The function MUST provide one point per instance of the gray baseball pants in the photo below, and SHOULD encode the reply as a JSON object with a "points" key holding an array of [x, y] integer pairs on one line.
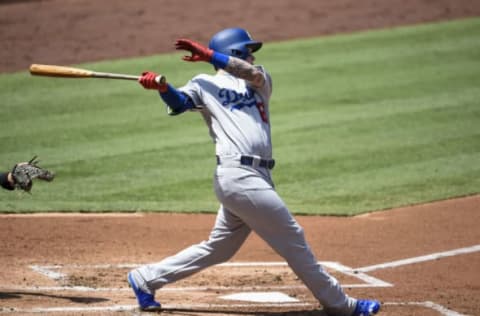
{"points": [[249, 202]]}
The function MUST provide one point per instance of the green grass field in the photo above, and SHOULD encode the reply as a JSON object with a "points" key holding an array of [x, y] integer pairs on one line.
{"points": [[360, 122]]}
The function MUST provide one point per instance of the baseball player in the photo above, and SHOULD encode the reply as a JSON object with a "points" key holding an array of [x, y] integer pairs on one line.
{"points": [[22, 175], [235, 105]]}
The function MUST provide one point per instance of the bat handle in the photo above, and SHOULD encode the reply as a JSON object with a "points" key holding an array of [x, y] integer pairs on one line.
{"points": [[160, 79]]}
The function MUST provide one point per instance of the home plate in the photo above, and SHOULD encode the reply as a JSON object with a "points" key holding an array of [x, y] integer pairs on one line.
{"points": [[261, 297]]}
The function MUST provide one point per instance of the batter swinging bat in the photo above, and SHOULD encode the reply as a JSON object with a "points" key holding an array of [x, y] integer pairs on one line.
{"points": [[72, 72]]}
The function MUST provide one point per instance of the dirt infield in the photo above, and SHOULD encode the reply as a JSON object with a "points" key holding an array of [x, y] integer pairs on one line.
{"points": [[421, 260], [78, 262], [68, 32]]}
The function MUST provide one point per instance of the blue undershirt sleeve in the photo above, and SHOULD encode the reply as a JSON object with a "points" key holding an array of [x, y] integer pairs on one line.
{"points": [[177, 101], [219, 60]]}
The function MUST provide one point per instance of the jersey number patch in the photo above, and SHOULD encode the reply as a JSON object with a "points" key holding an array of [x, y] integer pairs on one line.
{"points": [[263, 114]]}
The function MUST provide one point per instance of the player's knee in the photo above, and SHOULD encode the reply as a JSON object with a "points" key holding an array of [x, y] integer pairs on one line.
{"points": [[222, 255], [293, 243], [222, 252]]}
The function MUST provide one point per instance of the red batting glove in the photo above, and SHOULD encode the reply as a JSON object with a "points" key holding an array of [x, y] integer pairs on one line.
{"points": [[147, 80], [199, 52]]}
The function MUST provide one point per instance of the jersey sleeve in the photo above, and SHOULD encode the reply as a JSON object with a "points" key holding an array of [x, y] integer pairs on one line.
{"points": [[193, 90]]}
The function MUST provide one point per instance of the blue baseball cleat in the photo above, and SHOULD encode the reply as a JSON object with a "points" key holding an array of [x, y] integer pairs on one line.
{"points": [[145, 300], [366, 308]]}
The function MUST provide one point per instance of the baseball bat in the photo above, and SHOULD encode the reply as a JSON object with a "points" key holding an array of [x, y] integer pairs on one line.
{"points": [[72, 72]]}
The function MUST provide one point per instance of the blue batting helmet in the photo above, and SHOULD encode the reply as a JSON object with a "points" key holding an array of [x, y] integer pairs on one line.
{"points": [[234, 42]]}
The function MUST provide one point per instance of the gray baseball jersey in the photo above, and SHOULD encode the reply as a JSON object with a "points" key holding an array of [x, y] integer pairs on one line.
{"points": [[236, 114], [238, 118]]}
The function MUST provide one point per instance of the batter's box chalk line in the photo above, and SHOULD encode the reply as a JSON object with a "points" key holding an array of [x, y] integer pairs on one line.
{"points": [[429, 257], [54, 272], [431, 305]]}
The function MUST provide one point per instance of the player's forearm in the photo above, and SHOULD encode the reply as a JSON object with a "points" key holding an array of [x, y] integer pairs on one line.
{"points": [[244, 70], [239, 68]]}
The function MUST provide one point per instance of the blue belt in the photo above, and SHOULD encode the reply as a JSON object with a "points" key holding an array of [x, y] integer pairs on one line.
{"points": [[252, 161]]}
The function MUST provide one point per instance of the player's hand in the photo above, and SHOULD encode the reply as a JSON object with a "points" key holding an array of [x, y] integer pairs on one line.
{"points": [[199, 52], [148, 80]]}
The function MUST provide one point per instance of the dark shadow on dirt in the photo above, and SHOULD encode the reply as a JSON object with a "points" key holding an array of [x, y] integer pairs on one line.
{"points": [[189, 311], [15, 1], [75, 299]]}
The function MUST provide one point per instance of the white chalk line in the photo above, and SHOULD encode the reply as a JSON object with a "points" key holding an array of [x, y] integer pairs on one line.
{"points": [[430, 257], [209, 307], [135, 265], [165, 307], [50, 272], [35, 289], [358, 272], [437, 307], [77, 214], [68, 309], [369, 280]]}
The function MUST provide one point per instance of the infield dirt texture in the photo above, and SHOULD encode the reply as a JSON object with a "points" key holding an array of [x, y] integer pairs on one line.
{"points": [[421, 260]]}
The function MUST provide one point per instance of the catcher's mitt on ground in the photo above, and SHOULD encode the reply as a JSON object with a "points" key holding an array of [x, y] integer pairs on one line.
{"points": [[23, 173]]}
